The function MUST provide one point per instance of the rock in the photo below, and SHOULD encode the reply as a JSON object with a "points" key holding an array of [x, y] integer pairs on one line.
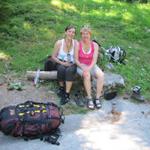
{"points": [[110, 66], [112, 81]]}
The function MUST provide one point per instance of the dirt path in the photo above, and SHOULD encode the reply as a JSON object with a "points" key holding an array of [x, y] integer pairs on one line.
{"points": [[125, 127], [41, 94], [119, 125]]}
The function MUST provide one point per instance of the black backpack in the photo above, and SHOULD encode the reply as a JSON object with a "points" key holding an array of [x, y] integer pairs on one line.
{"points": [[50, 64]]}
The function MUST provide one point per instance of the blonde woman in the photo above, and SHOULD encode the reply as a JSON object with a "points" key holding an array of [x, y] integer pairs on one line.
{"points": [[86, 55], [66, 69]]}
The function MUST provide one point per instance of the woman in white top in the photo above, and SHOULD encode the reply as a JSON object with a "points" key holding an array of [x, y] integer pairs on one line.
{"points": [[64, 56]]}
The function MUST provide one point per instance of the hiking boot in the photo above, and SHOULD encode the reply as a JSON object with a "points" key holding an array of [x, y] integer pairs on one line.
{"points": [[61, 91], [78, 100], [136, 94], [64, 99]]}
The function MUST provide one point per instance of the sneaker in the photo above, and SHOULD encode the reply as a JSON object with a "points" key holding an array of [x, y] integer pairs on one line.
{"points": [[98, 103], [64, 99]]}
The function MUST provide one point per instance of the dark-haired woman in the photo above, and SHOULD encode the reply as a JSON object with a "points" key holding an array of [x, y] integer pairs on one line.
{"points": [[66, 69]]}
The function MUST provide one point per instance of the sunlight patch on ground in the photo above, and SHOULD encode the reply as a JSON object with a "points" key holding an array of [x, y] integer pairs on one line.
{"points": [[111, 13], [102, 134], [110, 2], [127, 16], [62, 5], [57, 3], [108, 138], [101, 12], [27, 25], [143, 6], [96, 12], [4, 56]]}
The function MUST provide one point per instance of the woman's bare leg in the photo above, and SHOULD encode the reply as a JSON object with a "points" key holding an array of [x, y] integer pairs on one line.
{"points": [[61, 84], [100, 82], [68, 86], [87, 84]]}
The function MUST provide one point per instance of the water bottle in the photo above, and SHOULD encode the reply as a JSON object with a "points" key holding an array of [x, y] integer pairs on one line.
{"points": [[69, 58]]}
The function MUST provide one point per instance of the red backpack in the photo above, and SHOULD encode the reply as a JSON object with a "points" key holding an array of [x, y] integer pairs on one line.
{"points": [[31, 119]]}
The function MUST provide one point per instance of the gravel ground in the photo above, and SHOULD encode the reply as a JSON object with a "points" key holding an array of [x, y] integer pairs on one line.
{"points": [[119, 125], [30, 92]]}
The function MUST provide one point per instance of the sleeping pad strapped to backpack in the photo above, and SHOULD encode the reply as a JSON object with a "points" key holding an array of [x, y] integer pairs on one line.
{"points": [[30, 119]]}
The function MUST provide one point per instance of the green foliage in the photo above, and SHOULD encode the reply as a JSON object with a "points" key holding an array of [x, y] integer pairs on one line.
{"points": [[29, 29], [132, 1]]}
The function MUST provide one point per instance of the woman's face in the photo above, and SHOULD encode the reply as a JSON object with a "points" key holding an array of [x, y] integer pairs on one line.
{"points": [[70, 33], [86, 36]]}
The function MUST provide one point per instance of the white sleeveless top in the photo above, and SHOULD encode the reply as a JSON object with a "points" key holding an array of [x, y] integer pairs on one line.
{"points": [[62, 55]]}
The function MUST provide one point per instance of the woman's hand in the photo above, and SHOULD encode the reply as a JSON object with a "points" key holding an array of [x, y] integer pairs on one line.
{"points": [[85, 73], [67, 64], [86, 70]]}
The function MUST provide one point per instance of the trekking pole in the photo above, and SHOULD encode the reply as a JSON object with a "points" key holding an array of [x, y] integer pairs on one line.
{"points": [[37, 76]]}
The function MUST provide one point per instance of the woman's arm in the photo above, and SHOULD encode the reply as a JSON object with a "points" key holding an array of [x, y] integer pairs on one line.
{"points": [[76, 56], [55, 53], [96, 50]]}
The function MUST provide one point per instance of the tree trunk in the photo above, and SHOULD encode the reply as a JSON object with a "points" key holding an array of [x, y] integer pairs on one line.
{"points": [[44, 75], [111, 81]]}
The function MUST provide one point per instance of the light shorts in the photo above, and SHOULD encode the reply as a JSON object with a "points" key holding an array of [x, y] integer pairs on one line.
{"points": [[92, 71]]}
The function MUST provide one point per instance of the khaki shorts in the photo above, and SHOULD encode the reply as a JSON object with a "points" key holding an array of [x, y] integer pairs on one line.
{"points": [[92, 71]]}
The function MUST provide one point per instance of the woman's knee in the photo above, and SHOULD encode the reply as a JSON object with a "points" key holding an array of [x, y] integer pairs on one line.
{"points": [[60, 73], [100, 75], [86, 76], [70, 73], [72, 68], [60, 68]]}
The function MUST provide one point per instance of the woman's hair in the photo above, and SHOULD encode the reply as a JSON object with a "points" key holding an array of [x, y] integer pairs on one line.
{"points": [[86, 28], [70, 27]]}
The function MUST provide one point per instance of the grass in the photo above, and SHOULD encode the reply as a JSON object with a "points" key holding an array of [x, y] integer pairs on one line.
{"points": [[28, 33]]}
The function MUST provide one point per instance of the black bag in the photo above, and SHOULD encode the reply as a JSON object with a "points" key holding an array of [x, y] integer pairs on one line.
{"points": [[50, 64], [31, 120], [109, 95]]}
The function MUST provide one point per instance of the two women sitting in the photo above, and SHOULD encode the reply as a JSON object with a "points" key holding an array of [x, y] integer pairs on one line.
{"points": [[81, 57]]}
